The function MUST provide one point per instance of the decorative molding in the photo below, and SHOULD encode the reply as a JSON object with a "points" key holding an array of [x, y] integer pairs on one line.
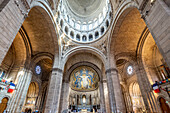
{"points": [[111, 70], [58, 70], [103, 47], [23, 6]]}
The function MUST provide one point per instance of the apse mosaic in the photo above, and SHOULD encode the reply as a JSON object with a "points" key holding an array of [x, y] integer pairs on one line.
{"points": [[84, 78]]}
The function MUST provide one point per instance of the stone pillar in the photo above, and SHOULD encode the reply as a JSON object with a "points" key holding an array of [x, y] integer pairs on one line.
{"points": [[24, 92], [64, 100], [111, 94], [102, 103], [54, 91], [12, 17], [115, 93], [157, 20], [16, 102], [145, 88]]}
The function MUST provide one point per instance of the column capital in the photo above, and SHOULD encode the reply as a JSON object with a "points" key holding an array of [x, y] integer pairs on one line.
{"points": [[111, 70], [57, 69]]}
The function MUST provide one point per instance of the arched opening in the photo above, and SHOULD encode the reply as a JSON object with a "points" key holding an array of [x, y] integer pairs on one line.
{"points": [[153, 61], [82, 78], [31, 98], [164, 106], [136, 98], [140, 51], [3, 104], [36, 38], [84, 83]]}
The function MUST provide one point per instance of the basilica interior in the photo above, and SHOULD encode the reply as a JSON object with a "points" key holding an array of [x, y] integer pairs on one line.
{"points": [[84, 56]]}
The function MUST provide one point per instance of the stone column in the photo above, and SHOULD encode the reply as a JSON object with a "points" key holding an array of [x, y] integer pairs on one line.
{"points": [[116, 98], [145, 88], [160, 28], [24, 92], [18, 98], [54, 91], [64, 100], [111, 94], [102, 103]]}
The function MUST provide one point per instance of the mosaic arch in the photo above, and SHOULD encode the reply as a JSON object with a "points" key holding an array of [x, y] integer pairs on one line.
{"points": [[84, 78]]}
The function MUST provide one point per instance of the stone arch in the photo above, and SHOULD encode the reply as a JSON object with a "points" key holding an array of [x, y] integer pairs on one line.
{"points": [[87, 49], [134, 89], [131, 33], [33, 89], [32, 95], [122, 12], [42, 6], [74, 66], [136, 97], [3, 104], [51, 46]]}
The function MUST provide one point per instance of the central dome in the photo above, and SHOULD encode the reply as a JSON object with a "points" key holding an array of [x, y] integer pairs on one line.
{"points": [[84, 8], [84, 21]]}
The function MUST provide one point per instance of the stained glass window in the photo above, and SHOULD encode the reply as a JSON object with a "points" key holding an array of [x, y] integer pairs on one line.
{"points": [[130, 70], [38, 70]]}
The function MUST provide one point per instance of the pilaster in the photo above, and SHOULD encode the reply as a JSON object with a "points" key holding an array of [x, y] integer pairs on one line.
{"points": [[54, 91]]}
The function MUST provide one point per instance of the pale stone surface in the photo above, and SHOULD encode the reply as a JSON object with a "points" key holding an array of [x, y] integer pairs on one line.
{"points": [[23, 40]]}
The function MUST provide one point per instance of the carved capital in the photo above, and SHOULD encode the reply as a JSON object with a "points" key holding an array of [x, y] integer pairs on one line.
{"points": [[58, 70], [111, 70]]}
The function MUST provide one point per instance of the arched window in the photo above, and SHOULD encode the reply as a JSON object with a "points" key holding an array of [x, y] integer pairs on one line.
{"points": [[164, 106], [78, 37], [66, 30], [90, 37], [61, 23], [84, 38], [72, 34], [107, 23], [96, 34], [102, 30]]}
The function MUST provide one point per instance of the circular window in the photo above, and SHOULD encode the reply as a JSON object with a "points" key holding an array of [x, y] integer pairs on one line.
{"points": [[130, 70], [37, 69]]}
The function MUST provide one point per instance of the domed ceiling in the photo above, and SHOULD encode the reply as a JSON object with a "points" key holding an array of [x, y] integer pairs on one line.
{"points": [[84, 78], [84, 8], [84, 21]]}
